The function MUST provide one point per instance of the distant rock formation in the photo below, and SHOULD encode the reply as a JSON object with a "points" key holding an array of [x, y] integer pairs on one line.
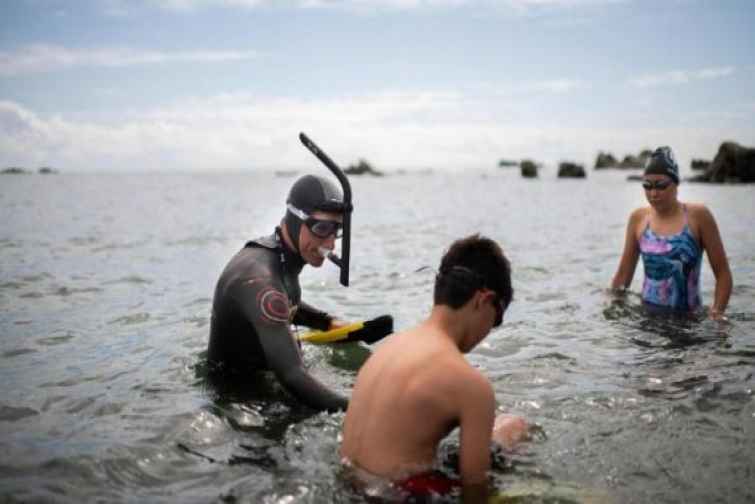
{"points": [[605, 160], [528, 168], [286, 173], [571, 170], [14, 170], [630, 161], [636, 162], [733, 164], [699, 164], [505, 163], [362, 168]]}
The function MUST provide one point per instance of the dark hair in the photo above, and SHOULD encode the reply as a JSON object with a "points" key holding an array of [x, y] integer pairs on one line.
{"points": [[471, 264]]}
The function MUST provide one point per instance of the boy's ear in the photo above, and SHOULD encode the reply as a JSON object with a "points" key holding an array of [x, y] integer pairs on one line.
{"points": [[479, 297]]}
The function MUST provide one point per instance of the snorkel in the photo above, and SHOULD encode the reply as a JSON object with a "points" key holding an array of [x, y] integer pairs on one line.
{"points": [[343, 261]]}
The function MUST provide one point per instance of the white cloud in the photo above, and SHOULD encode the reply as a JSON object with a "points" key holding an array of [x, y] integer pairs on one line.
{"points": [[559, 86], [45, 58], [714, 73], [195, 4], [444, 130], [676, 77], [362, 5]]}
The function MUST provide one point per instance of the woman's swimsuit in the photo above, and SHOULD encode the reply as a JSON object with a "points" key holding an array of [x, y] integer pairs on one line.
{"points": [[672, 268]]}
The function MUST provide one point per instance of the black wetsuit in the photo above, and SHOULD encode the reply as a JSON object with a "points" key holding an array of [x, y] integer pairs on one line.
{"points": [[256, 299]]}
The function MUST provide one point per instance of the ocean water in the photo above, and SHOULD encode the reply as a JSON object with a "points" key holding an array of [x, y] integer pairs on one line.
{"points": [[106, 284]]}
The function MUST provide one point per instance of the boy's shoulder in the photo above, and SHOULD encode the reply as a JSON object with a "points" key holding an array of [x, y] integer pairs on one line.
{"points": [[460, 378]]}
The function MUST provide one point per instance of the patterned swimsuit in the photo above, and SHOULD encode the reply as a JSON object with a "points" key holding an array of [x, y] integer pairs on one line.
{"points": [[672, 268]]}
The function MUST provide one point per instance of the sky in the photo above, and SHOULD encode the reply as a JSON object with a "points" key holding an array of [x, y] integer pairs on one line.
{"points": [[227, 85]]}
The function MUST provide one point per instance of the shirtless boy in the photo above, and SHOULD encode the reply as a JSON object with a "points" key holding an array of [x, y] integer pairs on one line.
{"points": [[417, 386]]}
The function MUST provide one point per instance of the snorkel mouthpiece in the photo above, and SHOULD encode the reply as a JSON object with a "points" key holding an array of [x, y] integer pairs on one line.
{"points": [[335, 260], [345, 207]]}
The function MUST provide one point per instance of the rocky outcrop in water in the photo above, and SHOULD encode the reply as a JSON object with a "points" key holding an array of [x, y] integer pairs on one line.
{"points": [[363, 167], [505, 163], [605, 160], [636, 162], [733, 164], [14, 170], [528, 168], [630, 161], [571, 170], [699, 164]]}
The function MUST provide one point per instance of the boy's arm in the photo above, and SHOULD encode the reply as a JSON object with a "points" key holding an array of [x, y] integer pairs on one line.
{"points": [[477, 413]]}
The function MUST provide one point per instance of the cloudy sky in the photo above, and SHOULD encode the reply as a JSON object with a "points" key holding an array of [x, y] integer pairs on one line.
{"points": [[158, 85]]}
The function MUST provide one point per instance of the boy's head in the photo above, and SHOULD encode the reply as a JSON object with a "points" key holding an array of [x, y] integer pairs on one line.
{"points": [[469, 265]]}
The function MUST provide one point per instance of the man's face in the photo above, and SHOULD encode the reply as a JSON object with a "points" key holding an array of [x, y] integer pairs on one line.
{"points": [[313, 247]]}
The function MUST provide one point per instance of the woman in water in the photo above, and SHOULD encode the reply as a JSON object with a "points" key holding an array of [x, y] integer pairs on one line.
{"points": [[671, 236]]}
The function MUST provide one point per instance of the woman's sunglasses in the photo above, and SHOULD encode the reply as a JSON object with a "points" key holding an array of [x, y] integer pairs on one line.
{"points": [[660, 185]]}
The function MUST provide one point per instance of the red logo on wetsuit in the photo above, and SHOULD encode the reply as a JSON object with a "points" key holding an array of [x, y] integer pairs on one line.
{"points": [[273, 305]]}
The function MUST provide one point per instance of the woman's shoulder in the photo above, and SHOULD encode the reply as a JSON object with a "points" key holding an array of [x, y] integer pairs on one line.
{"points": [[639, 214], [697, 211], [693, 206]]}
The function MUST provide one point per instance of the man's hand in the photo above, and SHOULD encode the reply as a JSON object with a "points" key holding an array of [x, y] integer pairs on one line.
{"points": [[336, 323]]}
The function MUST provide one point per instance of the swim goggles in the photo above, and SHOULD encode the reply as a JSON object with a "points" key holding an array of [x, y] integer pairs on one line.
{"points": [[658, 184], [498, 305], [321, 228], [478, 279]]}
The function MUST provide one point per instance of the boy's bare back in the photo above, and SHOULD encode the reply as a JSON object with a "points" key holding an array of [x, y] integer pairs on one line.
{"points": [[417, 376]]}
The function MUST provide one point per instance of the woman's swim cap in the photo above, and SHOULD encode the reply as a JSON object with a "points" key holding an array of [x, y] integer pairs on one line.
{"points": [[662, 162]]}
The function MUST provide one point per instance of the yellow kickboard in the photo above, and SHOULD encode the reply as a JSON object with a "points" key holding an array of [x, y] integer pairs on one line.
{"points": [[331, 335]]}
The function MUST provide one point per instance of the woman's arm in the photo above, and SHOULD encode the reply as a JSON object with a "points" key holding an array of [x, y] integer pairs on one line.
{"points": [[714, 247], [628, 263]]}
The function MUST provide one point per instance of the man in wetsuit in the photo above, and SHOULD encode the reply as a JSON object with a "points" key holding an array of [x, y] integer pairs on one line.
{"points": [[258, 295], [417, 387]]}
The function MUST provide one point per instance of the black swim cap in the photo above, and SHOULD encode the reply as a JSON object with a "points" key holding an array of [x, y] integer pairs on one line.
{"points": [[662, 162], [309, 194]]}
